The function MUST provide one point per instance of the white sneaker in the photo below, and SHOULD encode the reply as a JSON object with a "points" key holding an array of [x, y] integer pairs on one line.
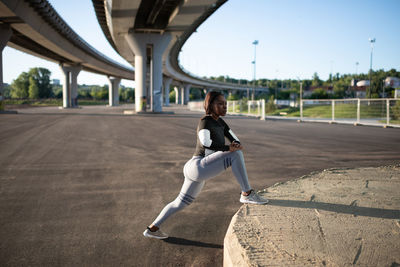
{"points": [[253, 198], [157, 234]]}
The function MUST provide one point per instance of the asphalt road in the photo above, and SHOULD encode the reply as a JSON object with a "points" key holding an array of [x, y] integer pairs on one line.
{"points": [[79, 186]]}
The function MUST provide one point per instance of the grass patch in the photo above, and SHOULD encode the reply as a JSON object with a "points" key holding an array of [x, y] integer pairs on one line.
{"points": [[87, 102], [50, 102], [34, 102], [342, 111]]}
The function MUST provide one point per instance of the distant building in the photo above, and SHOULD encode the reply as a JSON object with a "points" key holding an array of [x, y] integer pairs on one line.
{"points": [[360, 88], [56, 82], [393, 82]]}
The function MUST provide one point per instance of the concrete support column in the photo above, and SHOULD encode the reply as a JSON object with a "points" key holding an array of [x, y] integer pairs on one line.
{"points": [[177, 95], [66, 87], [5, 35], [182, 95], [139, 49], [157, 43], [70, 86], [160, 43], [186, 93], [113, 91], [74, 84], [167, 84]]}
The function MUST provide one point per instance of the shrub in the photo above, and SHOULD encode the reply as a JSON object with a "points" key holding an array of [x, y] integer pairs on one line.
{"points": [[270, 107], [396, 111]]}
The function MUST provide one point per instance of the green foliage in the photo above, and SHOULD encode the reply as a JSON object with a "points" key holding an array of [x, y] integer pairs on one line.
{"points": [[232, 97], [270, 106], [319, 93], [33, 84], [172, 96], [396, 111], [260, 96], [33, 88], [126, 94], [20, 86], [99, 92], [42, 79], [316, 81], [243, 104], [195, 94], [57, 91], [339, 88], [6, 91]]}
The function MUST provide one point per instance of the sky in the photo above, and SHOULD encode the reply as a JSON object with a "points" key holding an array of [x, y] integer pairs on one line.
{"points": [[296, 38]]}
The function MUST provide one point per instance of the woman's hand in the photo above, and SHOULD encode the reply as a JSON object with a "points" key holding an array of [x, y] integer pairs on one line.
{"points": [[235, 146]]}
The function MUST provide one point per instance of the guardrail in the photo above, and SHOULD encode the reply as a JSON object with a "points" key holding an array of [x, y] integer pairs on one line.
{"points": [[254, 108], [381, 111], [377, 112]]}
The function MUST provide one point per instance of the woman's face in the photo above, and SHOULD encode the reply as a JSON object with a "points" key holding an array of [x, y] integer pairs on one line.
{"points": [[219, 106]]}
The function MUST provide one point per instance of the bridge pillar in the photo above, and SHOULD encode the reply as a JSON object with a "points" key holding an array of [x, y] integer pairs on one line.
{"points": [[186, 93], [70, 86], [140, 43], [75, 70], [66, 87], [182, 95], [5, 34], [113, 91], [177, 95], [167, 84]]}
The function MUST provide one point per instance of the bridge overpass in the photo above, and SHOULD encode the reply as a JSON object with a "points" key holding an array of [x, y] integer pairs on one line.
{"points": [[148, 34]]}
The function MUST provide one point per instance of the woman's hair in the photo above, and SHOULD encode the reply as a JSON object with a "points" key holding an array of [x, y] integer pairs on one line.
{"points": [[210, 98]]}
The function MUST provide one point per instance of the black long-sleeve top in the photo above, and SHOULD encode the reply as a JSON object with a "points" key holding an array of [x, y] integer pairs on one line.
{"points": [[211, 135]]}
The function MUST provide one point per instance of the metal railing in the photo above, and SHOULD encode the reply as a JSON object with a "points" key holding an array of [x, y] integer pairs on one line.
{"points": [[254, 108], [381, 111]]}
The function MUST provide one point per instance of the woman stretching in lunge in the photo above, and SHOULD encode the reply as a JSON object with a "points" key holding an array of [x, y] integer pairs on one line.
{"points": [[211, 158]]}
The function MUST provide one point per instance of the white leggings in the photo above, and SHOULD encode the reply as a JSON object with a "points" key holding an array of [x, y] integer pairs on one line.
{"points": [[199, 169]]}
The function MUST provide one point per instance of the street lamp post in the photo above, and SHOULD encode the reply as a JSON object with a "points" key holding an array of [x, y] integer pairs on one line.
{"points": [[357, 68], [255, 43], [372, 41]]}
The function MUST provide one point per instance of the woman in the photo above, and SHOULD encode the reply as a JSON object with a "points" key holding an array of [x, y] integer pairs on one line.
{"points": [[211, 158]]}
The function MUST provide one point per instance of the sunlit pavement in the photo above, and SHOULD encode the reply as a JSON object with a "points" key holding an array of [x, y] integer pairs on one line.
{"points": [[78, 186]]}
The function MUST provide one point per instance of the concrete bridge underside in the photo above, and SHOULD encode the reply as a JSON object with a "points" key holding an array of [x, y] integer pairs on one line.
{"points": [[148, 34]]}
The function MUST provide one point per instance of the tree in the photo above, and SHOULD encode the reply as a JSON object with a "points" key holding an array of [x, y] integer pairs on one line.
{"points": [[316, 80], [33, 88], [339, 89], [42, 78], [20, 86], [32, 84]]}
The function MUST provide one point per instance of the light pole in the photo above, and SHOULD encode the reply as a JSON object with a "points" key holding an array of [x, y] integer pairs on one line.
{"points": [[301, 98], [372, 41], [255, 43], [357, 68]]}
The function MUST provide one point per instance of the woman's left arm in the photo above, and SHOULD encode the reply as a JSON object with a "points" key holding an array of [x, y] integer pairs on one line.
{"points": [[229, 134]]}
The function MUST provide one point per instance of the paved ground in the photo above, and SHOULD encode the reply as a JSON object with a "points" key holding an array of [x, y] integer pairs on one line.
{"points": [[78, 187], [338, 217]]}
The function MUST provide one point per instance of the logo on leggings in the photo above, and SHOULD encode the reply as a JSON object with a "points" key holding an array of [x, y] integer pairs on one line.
{"points": [[227, 163], [186, 198]]}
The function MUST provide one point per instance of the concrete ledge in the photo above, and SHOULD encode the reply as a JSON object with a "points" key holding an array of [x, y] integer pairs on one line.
{"points": [[337, 217]]}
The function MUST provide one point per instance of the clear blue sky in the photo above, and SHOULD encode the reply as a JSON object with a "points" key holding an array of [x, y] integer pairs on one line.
{"points": [[296, 38]]}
